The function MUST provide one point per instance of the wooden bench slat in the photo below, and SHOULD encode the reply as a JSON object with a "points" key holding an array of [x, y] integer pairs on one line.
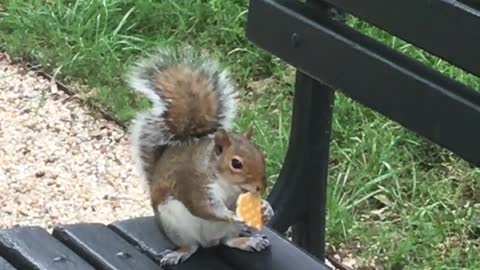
{"points": [[102, 247], [32, 247], [4, 265], [144, 233], [282, 255]]}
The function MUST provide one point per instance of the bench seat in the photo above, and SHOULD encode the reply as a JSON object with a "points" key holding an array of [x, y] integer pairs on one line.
{"points": [[132, 244]]}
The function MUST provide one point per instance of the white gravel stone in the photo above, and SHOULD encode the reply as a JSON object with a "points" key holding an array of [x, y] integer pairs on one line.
{"points": [[58, 164]]}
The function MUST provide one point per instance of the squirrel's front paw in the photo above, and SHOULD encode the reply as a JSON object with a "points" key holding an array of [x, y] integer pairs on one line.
{"points": [[267, 212], [258, 243], [251, 244], [173, 257], [233, 218]]}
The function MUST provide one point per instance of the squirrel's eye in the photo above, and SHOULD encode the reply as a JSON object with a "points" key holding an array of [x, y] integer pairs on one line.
{"points": [[237, 164]]}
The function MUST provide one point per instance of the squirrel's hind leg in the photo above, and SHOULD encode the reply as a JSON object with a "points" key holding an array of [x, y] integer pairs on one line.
{"points": [[251, 244], [174, 257]]}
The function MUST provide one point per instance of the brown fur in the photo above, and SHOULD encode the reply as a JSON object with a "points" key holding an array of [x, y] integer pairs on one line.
{"points": [[187, 170], [159, 192], [253, 171], [187, 183], [196, 105], [193, 99], [184, 249], [240, 242]]}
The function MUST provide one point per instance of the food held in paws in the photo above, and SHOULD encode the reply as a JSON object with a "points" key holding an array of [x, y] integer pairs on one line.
{"points": [[249, 209]]}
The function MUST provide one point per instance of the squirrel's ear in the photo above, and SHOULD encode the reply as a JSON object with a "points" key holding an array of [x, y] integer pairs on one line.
{"points": [[222, 140], [249, 132]]}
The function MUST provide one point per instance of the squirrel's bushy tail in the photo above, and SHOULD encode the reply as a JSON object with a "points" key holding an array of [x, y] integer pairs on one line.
{"points": [[192, 97]]}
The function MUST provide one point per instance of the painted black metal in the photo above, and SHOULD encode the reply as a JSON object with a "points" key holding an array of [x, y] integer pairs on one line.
{"points": [[282, 254], [134, 244], [310, 37], [102, 247], [417, 97], [446, 28], [472, 3], [144, 233], [33, 248], [299, 195], [4, 265], [308, 232]]}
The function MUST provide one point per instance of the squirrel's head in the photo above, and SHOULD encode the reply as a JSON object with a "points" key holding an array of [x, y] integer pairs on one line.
{"points": [[239, 161]]}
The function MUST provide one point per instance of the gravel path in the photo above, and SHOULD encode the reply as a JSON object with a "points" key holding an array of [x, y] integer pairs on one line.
{"points": [[58, 164]]}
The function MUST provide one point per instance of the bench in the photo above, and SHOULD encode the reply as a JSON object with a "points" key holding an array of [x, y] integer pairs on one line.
{"points": [[312, 36], [131, 244], [327, 54]]}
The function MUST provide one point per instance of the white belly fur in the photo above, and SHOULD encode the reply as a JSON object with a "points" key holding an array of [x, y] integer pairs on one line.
{"points": [[184, 229]]}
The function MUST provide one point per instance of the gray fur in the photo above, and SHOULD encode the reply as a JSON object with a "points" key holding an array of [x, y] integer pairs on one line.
{"points": [[150, 134]]}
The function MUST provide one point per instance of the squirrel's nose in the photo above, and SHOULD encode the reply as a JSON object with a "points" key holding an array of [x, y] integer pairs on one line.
{"points": [[258, 188]]}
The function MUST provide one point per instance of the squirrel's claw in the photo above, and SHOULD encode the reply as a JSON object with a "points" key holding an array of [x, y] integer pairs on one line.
{"points": [[267, 212], [235, 219], [250, 244], [174, 257], [259, 243]]}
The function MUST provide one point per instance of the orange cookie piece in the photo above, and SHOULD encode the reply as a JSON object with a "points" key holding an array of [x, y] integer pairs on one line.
{"points": [[249, 209]]}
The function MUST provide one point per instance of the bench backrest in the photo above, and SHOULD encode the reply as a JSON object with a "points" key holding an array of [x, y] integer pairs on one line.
{"points": [[421, 99]]}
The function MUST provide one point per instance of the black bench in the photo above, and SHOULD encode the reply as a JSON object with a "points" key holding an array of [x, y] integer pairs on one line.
{"points": [[312, 36], [131, 244], [328, 54]]}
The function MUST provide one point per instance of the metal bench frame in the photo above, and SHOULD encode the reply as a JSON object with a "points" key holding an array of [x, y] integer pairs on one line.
{"points": [[329, 55]]}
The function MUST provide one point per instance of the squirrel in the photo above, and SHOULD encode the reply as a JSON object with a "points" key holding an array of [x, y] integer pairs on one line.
{"points": [[194, 165]]}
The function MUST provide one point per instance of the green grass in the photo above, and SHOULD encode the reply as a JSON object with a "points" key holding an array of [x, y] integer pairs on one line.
{"points": [[393, 197]]}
